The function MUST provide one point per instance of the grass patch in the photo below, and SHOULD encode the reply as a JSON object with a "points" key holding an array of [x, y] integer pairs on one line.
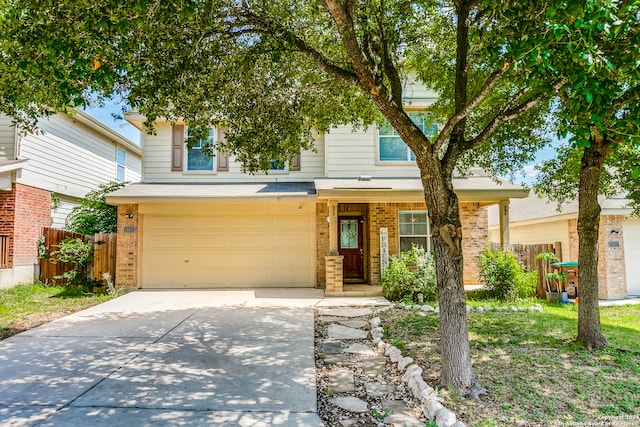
{"points": [[23, 307], [533, 373]]}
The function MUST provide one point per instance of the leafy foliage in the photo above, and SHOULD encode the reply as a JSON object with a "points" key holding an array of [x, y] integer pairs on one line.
{"points": [[409, 274], [503, 277], [94, 215], [79, 254]]}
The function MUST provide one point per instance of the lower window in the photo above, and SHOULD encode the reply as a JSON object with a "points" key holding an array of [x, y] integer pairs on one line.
{"points": [[414, 230]]}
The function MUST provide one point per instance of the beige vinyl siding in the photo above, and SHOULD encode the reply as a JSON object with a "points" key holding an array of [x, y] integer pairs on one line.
{"points": [[157, 165], [631, 236], [228, 245], [7, 138], [69, 158], [59, 215], [352, 153], [531, 234]]}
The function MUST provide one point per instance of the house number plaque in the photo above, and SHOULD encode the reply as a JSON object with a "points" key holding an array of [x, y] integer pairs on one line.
{"points": [[129, 229]]}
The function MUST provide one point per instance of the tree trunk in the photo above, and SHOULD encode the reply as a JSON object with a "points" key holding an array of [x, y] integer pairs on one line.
{"points": [[589, 330], [443, 211]]}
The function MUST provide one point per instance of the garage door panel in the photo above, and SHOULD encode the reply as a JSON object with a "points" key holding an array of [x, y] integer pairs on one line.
{"points": [[292, 277], [251, 239], [258, 248], [220, 222], [288, 222], [245, 221], [293, 260], [631, 236]]}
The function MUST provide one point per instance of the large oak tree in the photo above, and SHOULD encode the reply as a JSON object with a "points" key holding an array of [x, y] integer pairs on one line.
{"points": [[275, 70]]}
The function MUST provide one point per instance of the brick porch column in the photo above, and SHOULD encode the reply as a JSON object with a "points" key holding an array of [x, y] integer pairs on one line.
{"points": [[333, 266], [127, 248]]}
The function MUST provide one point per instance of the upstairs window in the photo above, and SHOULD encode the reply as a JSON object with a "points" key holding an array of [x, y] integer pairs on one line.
{"points": [[200, 156], [391, 147], [414, 230], [121, 164]]}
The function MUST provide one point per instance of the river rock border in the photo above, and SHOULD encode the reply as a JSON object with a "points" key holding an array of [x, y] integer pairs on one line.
{"points": [[433, 410], [422, 310]]}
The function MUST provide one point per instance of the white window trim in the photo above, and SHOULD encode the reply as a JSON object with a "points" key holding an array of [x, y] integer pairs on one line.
{"points": [[185, 169], [381, 162], [428, 235]]}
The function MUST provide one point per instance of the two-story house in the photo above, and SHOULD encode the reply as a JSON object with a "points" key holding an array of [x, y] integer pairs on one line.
{"points": [[327, 218], [44, 174]]}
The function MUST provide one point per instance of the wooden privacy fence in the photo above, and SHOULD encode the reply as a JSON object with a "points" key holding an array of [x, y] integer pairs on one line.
{"points": [[104, 255], [526, 256]]}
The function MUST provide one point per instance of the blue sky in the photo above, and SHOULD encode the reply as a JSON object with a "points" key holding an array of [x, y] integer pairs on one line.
{"points": [[106, 116]]}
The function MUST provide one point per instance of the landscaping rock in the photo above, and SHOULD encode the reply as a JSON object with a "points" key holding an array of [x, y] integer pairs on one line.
{"points": [[431, 409], [359, 348], [345, 312], [402, 364], [375, 322], [399, 414], [337, 359], [480, 309], [377, 389], [374, 366], [445, 418], [421, 314], [353, 323], [436, 310], [459, 424], [513, 308], [427, 308], [390, 350], [395, 357], [488, 308], [331, 347], [345, 332], [350, 403], [341, 381]]}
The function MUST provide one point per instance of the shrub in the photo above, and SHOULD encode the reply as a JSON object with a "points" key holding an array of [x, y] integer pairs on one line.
{"points": [[76, 252], [410, 274], [94, 215], [503, 277]]}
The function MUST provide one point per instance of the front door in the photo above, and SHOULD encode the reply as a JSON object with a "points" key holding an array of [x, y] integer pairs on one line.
{"points": [[350, 245]]}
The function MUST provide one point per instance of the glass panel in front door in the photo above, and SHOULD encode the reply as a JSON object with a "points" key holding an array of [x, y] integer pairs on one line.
{"points": [[349, 234]]}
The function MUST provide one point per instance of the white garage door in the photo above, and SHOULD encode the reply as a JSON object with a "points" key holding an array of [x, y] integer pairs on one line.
{"points": [[248, 246], [631, 235]]}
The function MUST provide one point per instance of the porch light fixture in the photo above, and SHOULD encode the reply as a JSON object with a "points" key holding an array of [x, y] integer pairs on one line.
{"points": [[129, 213]]}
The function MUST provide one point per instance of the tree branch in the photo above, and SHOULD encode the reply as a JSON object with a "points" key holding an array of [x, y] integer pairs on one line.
{"points": [[475, 101], [508, 114]]}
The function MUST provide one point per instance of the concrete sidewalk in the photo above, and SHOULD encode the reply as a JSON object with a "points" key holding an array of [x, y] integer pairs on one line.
{"points": [[170, 358]]}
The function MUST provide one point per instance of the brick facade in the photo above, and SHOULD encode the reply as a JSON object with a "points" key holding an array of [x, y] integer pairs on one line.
{"points": [[127, 250], [475, 234], [334, 277], [23, 212], [612, 278]]}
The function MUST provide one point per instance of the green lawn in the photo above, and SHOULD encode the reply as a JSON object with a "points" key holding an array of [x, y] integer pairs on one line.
{"points": [[533, 373], [27, 306]]}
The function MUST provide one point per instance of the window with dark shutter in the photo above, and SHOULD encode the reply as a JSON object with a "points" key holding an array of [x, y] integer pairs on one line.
{"points": [[222, 156], [295, 163], [177, 148]]}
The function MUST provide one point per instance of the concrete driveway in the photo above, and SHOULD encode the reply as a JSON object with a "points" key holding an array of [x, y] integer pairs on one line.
{"points": [[168, 358]]}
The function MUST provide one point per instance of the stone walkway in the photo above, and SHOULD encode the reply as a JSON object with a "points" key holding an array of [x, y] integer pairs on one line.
{"points": [[364, 386]]}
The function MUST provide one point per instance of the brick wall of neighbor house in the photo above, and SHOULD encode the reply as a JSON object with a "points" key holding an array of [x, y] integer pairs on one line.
{"points": [[127, 249], [7, 220], [32, 212], [612, 282], [573, 240]]}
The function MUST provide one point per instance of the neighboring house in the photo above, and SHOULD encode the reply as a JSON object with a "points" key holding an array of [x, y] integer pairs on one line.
{"points": [[325, 219], [44, 174], [534, 220]]}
